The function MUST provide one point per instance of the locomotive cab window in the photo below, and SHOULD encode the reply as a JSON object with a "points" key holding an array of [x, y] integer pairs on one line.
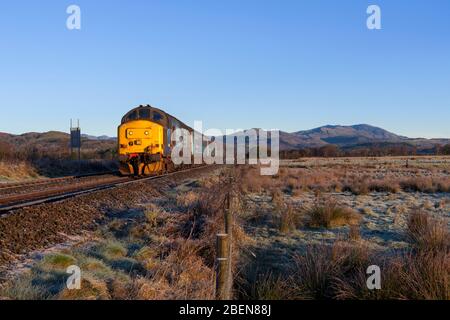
{"points": [[144, 114], [157, 116], [132, 116]]}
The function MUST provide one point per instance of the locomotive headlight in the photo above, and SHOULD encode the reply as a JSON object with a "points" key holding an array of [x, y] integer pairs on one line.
{"points": [[146, 133], [130, 133]]}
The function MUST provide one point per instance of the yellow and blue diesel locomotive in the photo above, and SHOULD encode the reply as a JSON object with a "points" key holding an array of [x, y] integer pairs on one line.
{"points": [[144, 141]]}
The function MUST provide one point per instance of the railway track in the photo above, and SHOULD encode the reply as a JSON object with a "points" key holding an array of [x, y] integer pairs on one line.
{"points": [[27, 186], [16, 185], [63, 188]]}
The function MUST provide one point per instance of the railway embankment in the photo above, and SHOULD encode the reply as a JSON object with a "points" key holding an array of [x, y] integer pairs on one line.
{"points": [[42, 226]]}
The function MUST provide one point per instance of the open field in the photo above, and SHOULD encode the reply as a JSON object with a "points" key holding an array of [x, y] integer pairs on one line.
{"points": [[308, 233], [320, 223]]}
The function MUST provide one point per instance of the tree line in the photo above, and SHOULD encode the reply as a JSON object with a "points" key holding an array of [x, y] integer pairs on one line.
{"points": [[333, 151]]}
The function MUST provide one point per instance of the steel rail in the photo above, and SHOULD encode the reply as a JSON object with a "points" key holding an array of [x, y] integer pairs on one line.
{"points": [[45, 181], [27, 200]]}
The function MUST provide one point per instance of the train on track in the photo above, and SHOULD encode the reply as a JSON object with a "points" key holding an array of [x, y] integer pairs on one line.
{"points": [[144, 141]]}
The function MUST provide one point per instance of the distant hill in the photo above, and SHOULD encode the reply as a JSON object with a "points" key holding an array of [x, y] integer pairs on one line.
{"points": [[101, 138], [55, 144], [347, 138], [350, 136]]}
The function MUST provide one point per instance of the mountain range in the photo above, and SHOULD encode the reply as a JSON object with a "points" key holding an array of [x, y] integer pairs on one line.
{"points": [[350, 136], [345, 137]]}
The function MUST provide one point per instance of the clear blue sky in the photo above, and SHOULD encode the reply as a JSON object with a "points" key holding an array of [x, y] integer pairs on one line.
{"points": [[290, 65]]}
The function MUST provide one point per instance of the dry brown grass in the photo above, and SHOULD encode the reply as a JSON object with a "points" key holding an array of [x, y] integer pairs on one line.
{"points": [[187, 199], [91, 289], [421, 275], [319, 271], [14, 171], [358, 187], [417, 184], [268, 287], [357, 177], [426, 233], [385, 185], [354, 233], [426, 184], [339, 272], [365, 185], [415, 269], [182, 275], [413, 184], [289, 219], [404, 276], [277, 198], [329, 214]]}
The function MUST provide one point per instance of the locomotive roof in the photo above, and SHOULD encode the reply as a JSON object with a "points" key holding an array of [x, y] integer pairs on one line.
{"points": [[125, 118]]}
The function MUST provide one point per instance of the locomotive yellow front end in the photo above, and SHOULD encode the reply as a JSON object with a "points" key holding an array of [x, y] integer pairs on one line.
{"points": [[141, 142]]}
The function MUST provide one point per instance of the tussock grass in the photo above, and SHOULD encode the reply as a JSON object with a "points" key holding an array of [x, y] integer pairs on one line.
{"points": [[57, 261], [91, 289], [145, 253], [426, 184], [152, 212], [338, 271], [96, 266], [329, 214], [270, 287], [188, 199], [423, 275], [278, 199], [111, 250], [358, 179], [289, 220], [318, 271], [358, 187], [354, 233], [24, 289], [368, 210], [427, 233]]}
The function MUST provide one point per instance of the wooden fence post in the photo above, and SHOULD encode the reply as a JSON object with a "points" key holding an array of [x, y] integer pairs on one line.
{"points": [[222, 274], [229, 230], [228, 217]]}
